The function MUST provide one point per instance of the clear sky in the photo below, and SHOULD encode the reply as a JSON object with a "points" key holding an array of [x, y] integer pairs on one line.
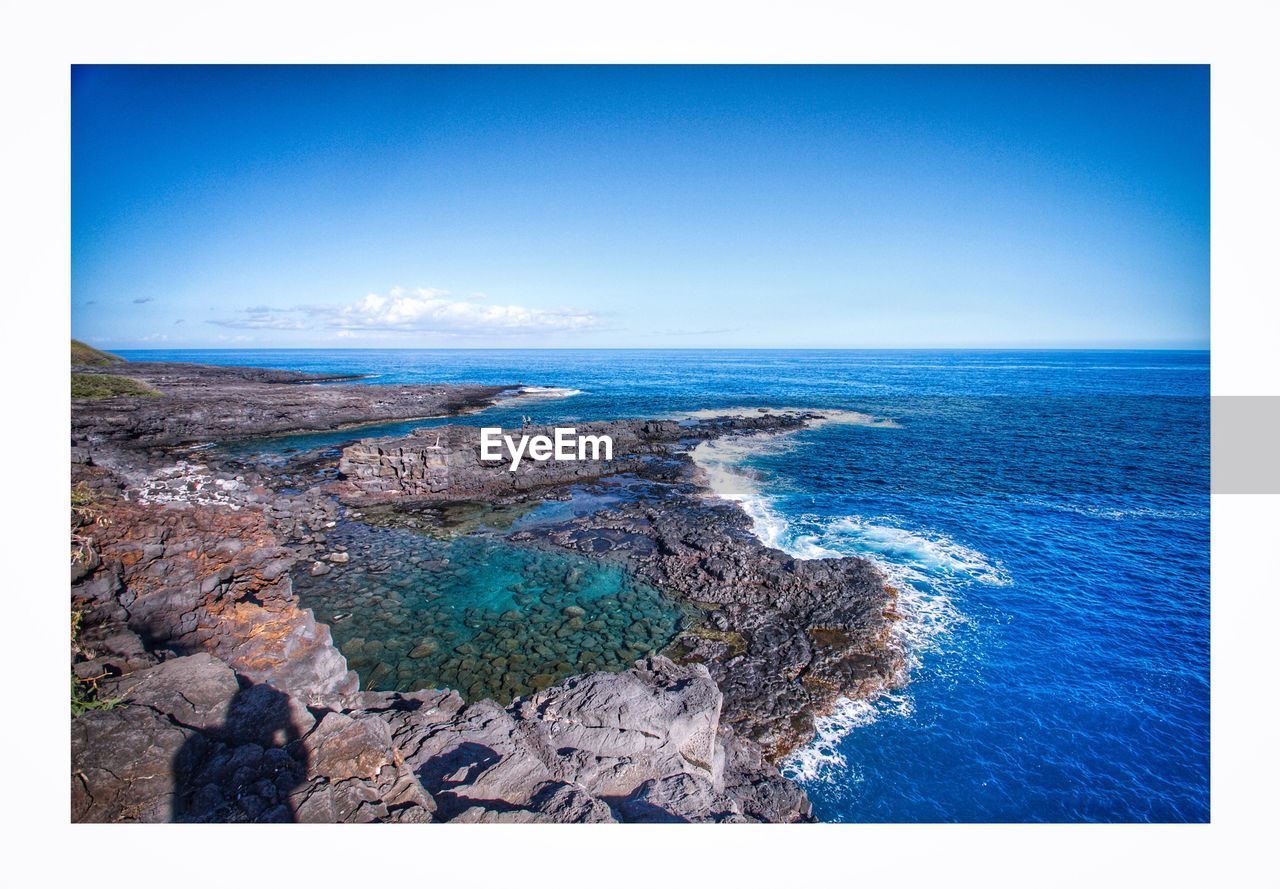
{"points": [[640, 206]]}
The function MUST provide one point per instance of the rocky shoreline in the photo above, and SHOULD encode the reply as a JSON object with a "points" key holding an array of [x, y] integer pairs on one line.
{"points": [[206, 403], [217, 697], [784, 638]]}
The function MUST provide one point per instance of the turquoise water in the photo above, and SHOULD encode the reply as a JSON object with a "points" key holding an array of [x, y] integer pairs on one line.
{"points": [[1046, 515], [477, 614]]}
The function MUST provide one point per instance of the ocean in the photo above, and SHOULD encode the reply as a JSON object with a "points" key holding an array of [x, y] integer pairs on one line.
{"points": [[1045, 516]]}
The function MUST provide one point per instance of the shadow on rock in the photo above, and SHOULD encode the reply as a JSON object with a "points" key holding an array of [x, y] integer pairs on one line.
{"points": [[458, 767], [245, 769]]}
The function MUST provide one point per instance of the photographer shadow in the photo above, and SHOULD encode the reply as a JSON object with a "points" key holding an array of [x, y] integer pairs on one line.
{"points": [[246, 769]]}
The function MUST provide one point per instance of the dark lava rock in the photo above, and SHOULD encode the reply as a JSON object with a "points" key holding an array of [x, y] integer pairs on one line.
{"points": [[200, 403]]}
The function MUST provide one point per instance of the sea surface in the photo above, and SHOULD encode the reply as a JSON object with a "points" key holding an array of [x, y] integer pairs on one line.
{"points": [[1045, 515]]}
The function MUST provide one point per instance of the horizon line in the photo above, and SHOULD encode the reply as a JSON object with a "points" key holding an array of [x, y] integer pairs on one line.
{"points": [[654, 348], [1205, 348]]}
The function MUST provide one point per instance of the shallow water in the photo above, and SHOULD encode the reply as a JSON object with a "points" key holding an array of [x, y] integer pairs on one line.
{"points": [[478, 614]]}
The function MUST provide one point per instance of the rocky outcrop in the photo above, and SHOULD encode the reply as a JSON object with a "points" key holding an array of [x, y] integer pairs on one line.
{"points": [[222, 700], [445, 463], [190, 740], [187, 578], [217, 698], [784, 638], [598, 747], [199, 403]]}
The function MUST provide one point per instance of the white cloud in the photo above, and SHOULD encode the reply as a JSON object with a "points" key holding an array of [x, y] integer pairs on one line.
{"points": [[436, 311], [420, 311], [252, 320]]}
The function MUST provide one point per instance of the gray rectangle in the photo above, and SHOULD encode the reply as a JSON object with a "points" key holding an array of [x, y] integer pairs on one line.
{"points": [[1244, 430]]}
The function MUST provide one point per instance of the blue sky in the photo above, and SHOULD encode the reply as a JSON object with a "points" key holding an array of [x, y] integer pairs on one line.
{"points": [[515, 207]]}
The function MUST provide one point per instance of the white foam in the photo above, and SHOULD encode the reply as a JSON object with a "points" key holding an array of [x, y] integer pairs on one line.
{"points": [[828, 417], [822, 755], [548, 392], [525, 393], [923, 566], [910, 556], [721, 461]]}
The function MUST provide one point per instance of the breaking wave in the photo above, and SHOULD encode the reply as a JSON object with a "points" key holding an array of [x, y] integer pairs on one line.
{"points": [[509, 397], [826, 417], [822, 755], [924, 566], [548, 392]]}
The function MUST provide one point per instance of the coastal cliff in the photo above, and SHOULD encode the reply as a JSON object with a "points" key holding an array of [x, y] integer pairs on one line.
{"points": [[215, 696], [227, 702]]}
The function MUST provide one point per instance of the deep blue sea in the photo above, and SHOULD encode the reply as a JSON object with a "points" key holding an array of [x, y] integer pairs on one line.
{"points": [[1045, 515]]}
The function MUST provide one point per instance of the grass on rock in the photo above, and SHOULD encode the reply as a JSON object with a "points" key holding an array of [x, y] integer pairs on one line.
{"points": [[107, 386], [83, 353]]}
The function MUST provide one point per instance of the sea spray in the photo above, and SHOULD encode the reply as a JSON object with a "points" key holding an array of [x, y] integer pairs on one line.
{"points": [[922, 566], [822, 755]]}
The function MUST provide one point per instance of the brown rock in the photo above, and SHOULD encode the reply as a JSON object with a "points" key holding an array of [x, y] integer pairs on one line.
{"points": [[341, 747]]}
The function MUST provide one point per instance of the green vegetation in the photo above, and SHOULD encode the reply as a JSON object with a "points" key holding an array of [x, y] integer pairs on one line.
{"points": [[84, 697], [81, 495], [83, 353], [102, 385], [736, 642], [85, 514], [84, 692], [107, 386]]}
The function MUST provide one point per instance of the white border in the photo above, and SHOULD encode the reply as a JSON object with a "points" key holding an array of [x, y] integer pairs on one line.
{"points": [[40, 41]]}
